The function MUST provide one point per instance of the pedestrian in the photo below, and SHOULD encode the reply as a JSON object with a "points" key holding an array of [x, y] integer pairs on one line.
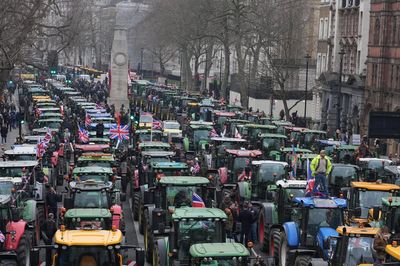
{"points": [[380, 242], [254, 222], [48, 229], [4, 132], [51, 200], [100, 130], [246, 219], [321, 166]]}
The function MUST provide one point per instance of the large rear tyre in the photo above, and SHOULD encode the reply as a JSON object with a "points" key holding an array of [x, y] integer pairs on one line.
{"points": [[274, 244], [23, 251], [148, 241], [141, 220], [261, 231], [284, 259], [135, 206], [302, 260]]}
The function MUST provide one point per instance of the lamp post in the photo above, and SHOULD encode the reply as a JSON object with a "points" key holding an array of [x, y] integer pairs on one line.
{"points": [[307, 57], [341, 53]]}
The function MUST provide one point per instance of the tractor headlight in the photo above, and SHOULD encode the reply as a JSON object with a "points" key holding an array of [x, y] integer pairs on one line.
{"points": [[64, 247]]}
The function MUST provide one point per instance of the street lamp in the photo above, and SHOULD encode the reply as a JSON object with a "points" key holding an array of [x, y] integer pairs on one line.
{"points": [[307, 57], [341, 54]]}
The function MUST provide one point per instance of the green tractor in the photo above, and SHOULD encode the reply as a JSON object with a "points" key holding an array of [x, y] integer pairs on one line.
{"points": [[197, 237], [158, 202], [271, 145], [275, 209], [198, 134]]}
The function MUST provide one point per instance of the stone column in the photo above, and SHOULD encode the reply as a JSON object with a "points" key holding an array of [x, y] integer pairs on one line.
{"points": [[119, 70]]}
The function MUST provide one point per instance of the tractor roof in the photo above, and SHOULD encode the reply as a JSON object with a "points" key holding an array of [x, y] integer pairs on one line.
{"points": [[154, 144], [14, 164], [314, 202], [297, 150], [375, 159], [147, 131], [198, 213], [393, 251], [88, 213], [272, 136], [91, 147], [391, 201], [329, 142], [92, 169], [357, 231], [260, 162], [21, 149], [218, 250], [157, 153], [292, 183], [168, 165], [228, 139], [200, 123], [203, 127], [184, 180], [259, 126], [244, 153], [227, 114], [378, 186], [90, 185], [96, 157], [347, 148], [88, 237], [49, 109]]}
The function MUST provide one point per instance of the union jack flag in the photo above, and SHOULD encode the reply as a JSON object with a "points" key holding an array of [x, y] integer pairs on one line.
{"points": [[197, 201], [41, 149], [213, 133], [237, 134], [88, 120], [99, 106], [48, 136], [119, 132], [38, 112], [83, 135], [2, 237], [157, 124]]}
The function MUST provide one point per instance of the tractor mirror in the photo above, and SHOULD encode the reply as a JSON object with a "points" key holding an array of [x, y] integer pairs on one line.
{"points": [[35, 254], [148, 197], [123, 197], [68, 203]]}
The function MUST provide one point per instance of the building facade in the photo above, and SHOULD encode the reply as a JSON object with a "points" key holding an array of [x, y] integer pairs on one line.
{"points": [[341, 62], [383, 78]]}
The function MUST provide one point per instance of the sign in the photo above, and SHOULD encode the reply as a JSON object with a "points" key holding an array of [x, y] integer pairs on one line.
{"points": [[384, 125], [356, 139]]}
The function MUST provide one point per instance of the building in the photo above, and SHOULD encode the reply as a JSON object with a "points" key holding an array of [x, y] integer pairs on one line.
{"points": [[383, 79], [341, 62]]}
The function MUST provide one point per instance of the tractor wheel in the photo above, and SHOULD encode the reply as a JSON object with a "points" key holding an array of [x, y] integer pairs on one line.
{"points": [[23, 251], [159, 254], [284, 259], [135, 206], [156, 256], [302, 260], [149, 243], [8, 263], [274, 244]]}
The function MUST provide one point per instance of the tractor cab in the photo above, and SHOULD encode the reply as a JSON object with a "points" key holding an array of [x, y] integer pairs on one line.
{"points": [[252, 131], [346, 154], [53, 123], [23, 152], [96, 174], [271, 145], [341, 177], [353, 246], [142, 135], [190, 226], [199, 134], [221, 117], [96, 159], [235, 163], [313, 221], [390, 213], [330, 146], [87, 219], [221, 144], [364, 196], [81, 149], [373, 169], [156, 170], [220, 254], [154, 146]]}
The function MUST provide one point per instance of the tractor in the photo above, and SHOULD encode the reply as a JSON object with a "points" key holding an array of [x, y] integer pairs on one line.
{"points": [[158, 202], [198, 134], [82, 240], [341, 177], [189, 226], [16, 246], [275, 209], [353, 246], [89, 194], [271, 145], [363, 196], [313, 221]]}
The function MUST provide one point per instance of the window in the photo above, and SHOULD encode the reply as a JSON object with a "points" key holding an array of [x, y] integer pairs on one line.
{"points": [[394, 30], [319, 65], [326, 28], [391, 77], [377, 29], [323, 63], [321, 28]]}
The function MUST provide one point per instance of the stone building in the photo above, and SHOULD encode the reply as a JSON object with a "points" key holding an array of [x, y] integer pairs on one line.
{"points": [[342, 48]]}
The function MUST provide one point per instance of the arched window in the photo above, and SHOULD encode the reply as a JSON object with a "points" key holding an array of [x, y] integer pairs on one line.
{"points": [[394, 32], [377, 30]]}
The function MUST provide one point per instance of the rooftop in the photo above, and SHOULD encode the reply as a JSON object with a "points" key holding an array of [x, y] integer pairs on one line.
{"points": [[198, 213]]}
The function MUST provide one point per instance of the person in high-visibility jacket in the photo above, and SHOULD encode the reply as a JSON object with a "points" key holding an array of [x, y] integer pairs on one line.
{"points": [[321, 166]]}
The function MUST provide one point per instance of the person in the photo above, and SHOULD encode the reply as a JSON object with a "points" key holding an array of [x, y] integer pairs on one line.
{"points": [[181, 199], [321, 166], [254, 221], [229, 223], [4, 132], [245, 175], [246, 219], [51, 200], [380, 242], [48, 229], [100, 130]]}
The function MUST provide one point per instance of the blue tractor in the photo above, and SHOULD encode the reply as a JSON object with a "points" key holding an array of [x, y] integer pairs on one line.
{"points": [[313, 221]]}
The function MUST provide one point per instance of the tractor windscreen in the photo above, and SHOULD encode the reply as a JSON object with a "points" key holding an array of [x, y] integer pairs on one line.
{"points": [[342, 175], [95, 177], [91, 199], [200, 135], [5, 188], [86, 255], [270, 171], [240, 163], [272, 144], [11, 172], [179, 196], [359, 251], [199, 231], [320, 217], [368, 199]]}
